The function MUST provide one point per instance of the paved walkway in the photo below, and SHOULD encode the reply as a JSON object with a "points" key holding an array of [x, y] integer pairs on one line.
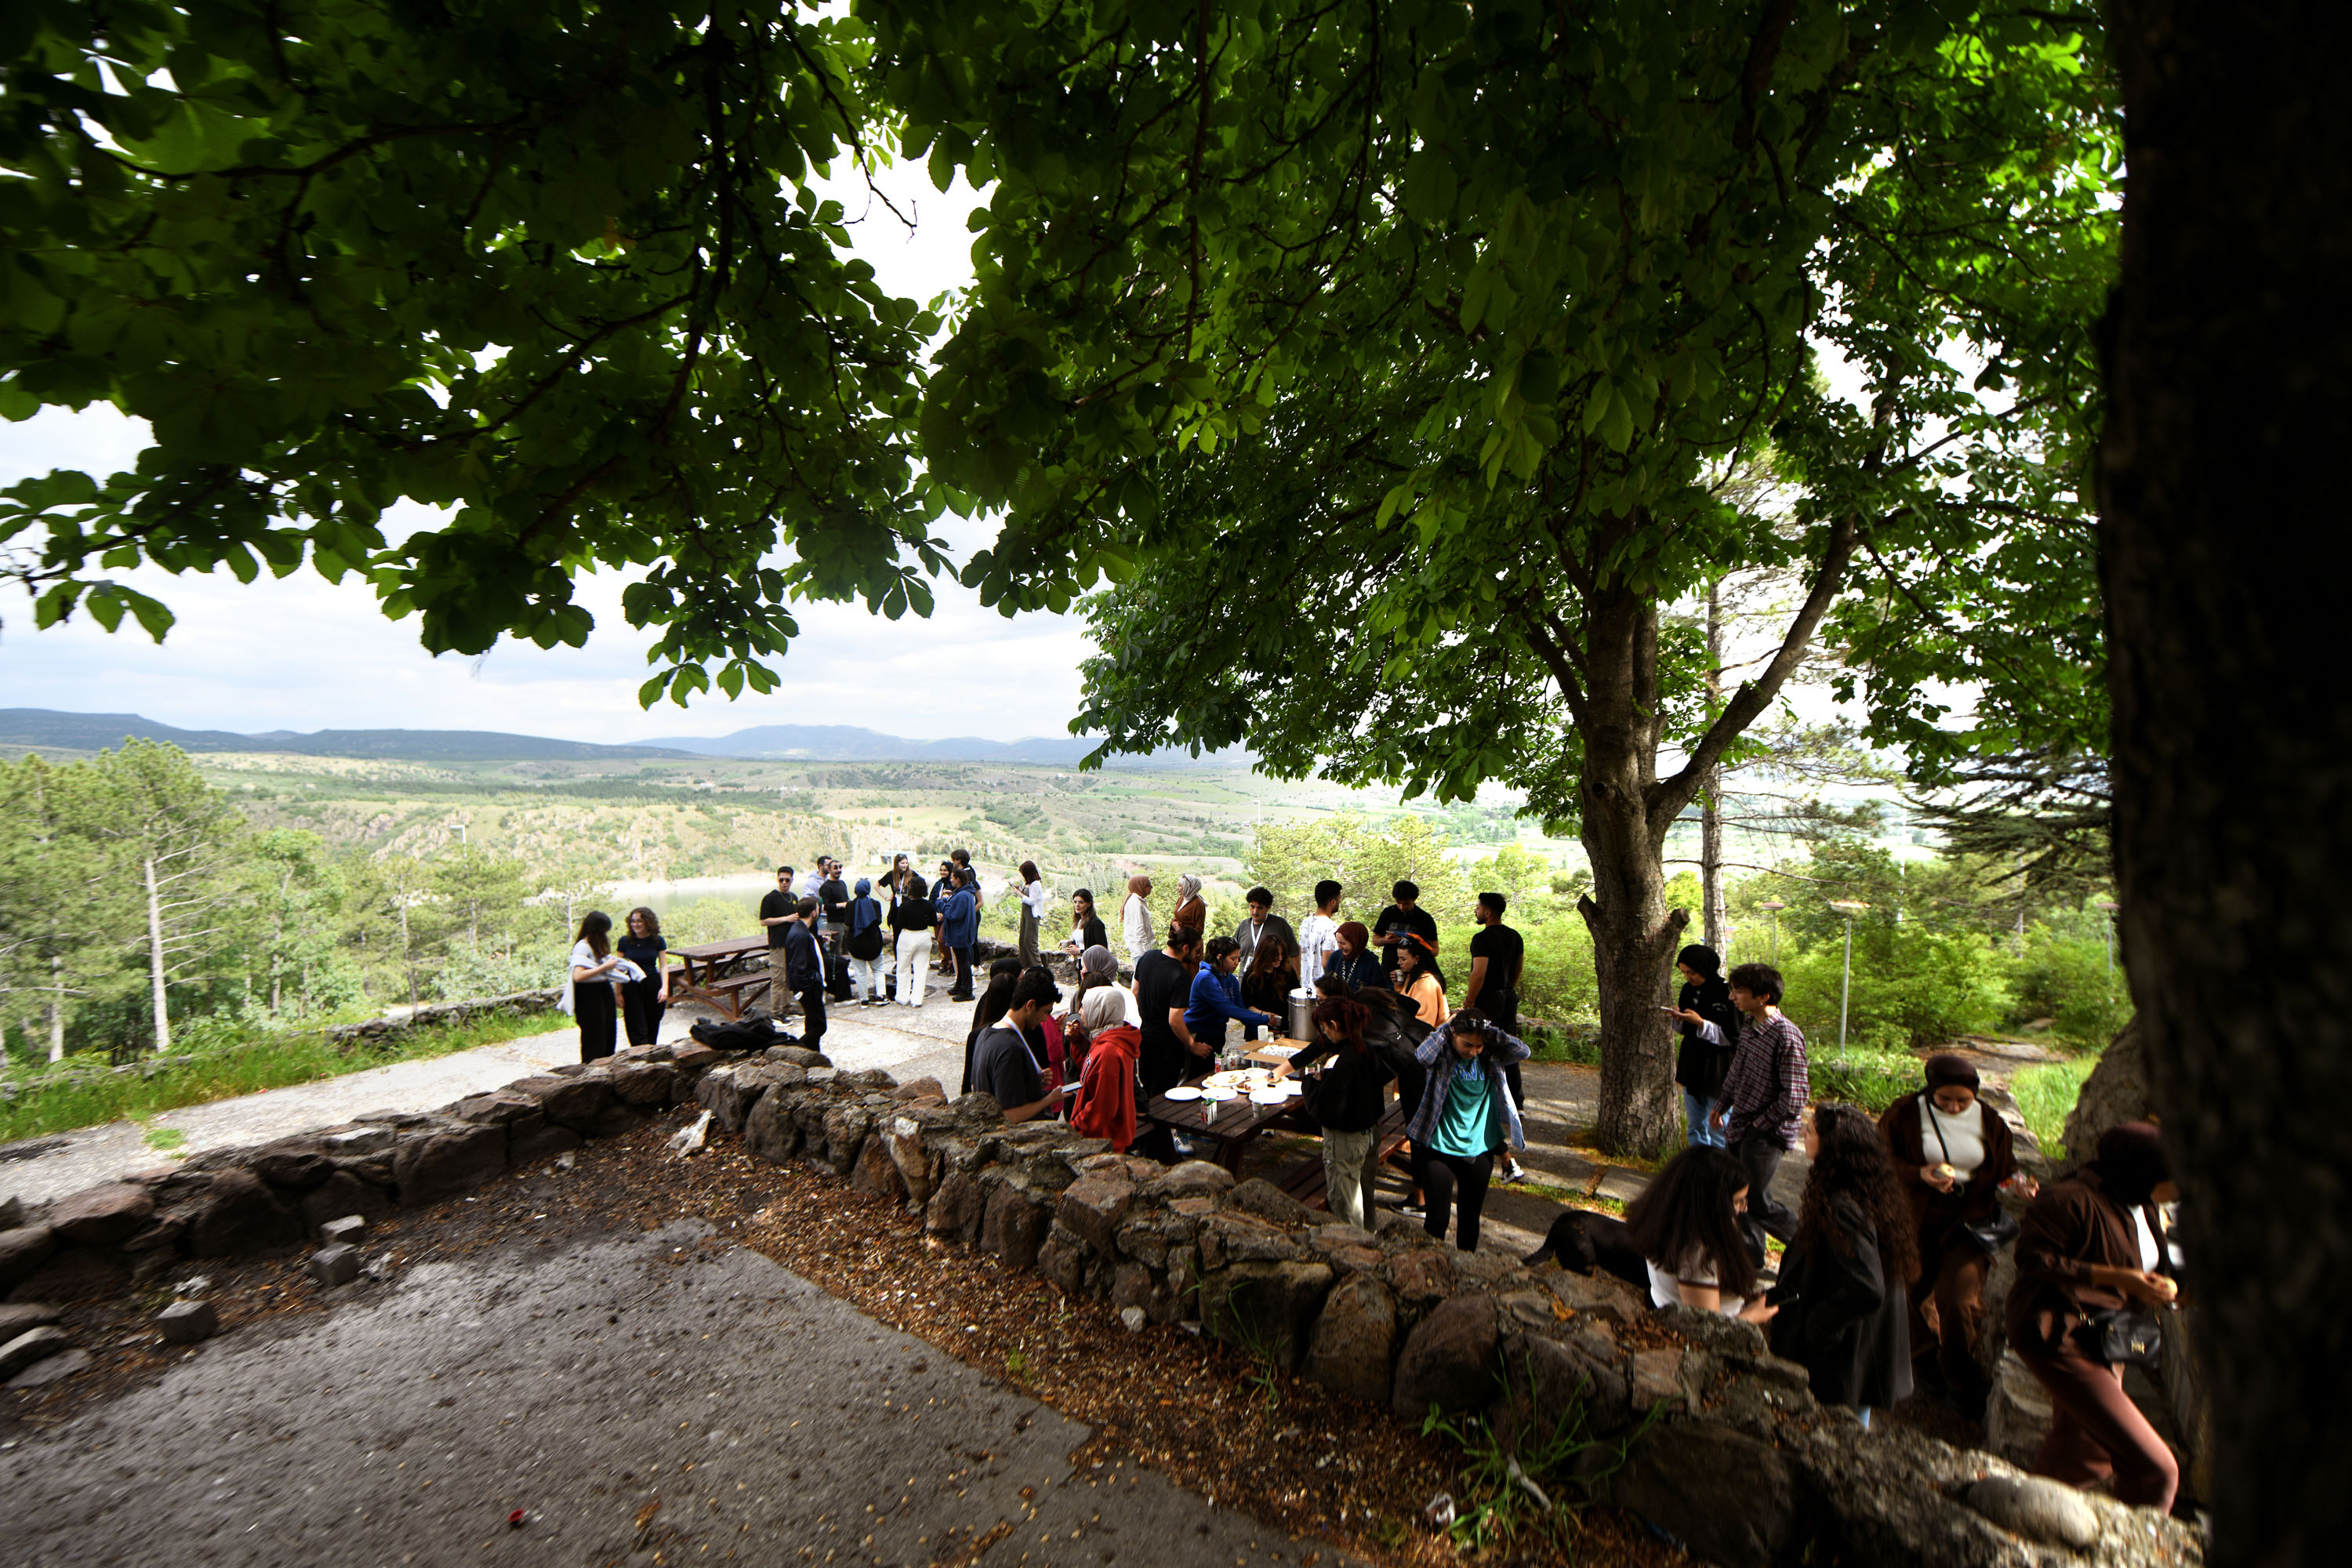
{"points": [[641, 1398]]}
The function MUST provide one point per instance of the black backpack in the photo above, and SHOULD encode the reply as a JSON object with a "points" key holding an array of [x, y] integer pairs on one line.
{"points": [[754, 1031]]}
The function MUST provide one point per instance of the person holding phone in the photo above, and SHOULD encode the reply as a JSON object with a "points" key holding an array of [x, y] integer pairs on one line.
{"points": [[1701, 1063]]}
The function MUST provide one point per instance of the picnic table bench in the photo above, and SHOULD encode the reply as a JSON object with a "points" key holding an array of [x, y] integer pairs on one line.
{"points": [[720, 976], [1305, 1180]]}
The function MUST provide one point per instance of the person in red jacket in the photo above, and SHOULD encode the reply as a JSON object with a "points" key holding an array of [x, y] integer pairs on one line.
{"points": [[1105, 1106]]}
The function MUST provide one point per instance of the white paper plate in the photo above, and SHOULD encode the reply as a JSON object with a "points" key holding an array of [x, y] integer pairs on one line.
{"points": [[1292, 1089], [1268, 1096], [1183, 1092], [1215, 1092]]}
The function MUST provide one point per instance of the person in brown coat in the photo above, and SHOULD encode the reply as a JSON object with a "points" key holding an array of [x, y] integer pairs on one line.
{"points": [[2089, 1245], [1952, 1154]]}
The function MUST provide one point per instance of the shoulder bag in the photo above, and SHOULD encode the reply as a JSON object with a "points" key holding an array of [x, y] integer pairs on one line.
{"points": [[1988, 1234], [2120, 1335]]}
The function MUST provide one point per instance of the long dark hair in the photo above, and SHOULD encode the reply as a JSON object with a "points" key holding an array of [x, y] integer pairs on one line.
{"points": [[653, 920], [1029, 873], [1686, 1208], [1854, 1164], [1350, 1014], [1273, 956], [1424, 959], [596, 931]]}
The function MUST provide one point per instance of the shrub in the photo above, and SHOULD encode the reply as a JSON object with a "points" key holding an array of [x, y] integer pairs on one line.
{"points": [[1912, 988], [2046, 1095], [1873, 1080], [2063, 976]]}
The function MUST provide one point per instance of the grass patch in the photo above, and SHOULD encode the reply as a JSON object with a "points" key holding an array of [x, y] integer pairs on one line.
{"points": [[164, 1137], [2044, 1097], [1550, 1043], [85, 1092], [1873, 1080]]}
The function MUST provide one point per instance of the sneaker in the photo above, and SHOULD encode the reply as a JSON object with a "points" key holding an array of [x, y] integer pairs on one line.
{"points": [[1412, 1211], [1517, 1173]]}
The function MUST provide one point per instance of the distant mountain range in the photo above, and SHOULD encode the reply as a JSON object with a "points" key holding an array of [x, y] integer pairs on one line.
{"points": [[765, 743]]}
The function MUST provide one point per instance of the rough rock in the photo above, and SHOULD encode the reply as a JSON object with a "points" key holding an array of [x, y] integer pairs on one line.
{"points": [[770, 1133], [12, 1211], [2036, 1508], [872, 1081], [957, 1209], [571, 1102], [336, 1264], [447, 1162], [1269, 1203], [1658, 1378], [1884, 1498], [1132, 1286], [903, 1138], [296, 1164], [102, 1216], [18, 1316], [644, 1083], [75, 1273], [495, 1110], [846, 1127], [240, 1214], [185, 1322], [695, 1058], [1575, 1371], [2018, 1413], [1146, 1239], [924, 1088], [32, 1345], [1227, 1238], [1731, 1499], [1602, 1295], [52, 1369], [1353, 1344], [876, 1174], [348, 1230], [535, 1138], [616, 1118], [799, 1056], [1184, 1281], [1093, 1207], [23, 1250], [350, 1142], [1448, 1360], [1191, 1179], [1421, 1278], [1264, 1307], [2117, 1091], [1065, 1260], [1013, 1226]]}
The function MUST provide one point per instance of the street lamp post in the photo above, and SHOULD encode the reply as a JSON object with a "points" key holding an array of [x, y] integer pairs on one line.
{"points": [[1849, 907], [1773, 908]]}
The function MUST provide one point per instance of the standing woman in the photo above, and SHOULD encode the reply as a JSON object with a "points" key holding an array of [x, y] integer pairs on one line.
{"points": [[592, 964], [1032, 910], [2092, 1245], [1952, 1154], [1086, 926], [644, 1000], [1844, 1294], [1419, 979], [1191, 911], [1273, 976], [1685, 1224], [1700, 1063], [1346, 1098], [864, 945], [1135, 918], [912, 918], [1465, 1119]]}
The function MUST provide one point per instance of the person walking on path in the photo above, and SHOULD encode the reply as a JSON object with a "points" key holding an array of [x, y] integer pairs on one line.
{"points": [[1192, 910], [1464, 1119], [1318, 933], [644, 999], [912, 917], [864, 945], [593, 966], [1953, 1153], [1033, 900], [1497, 956], [959, 931], [1764, 1096], [1688, 1226], [805, 973], [1700, 1063], [1843, 1292], [1086, 926], [1215, 996], [832, 909], [2088, 1248], [1347, 1099], [1105, 1104], [1402, 919], [1135, 918]]}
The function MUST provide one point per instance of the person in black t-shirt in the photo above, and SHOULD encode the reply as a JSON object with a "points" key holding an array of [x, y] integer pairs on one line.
{"points": [[779, 910], [1497, 955], [642, 1002], [832, 911], [1402, 919], [1163, 988], [1002, 1063]]}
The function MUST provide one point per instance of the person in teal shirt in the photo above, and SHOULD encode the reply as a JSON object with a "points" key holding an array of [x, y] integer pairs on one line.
{"points": [[1466, 1117]]}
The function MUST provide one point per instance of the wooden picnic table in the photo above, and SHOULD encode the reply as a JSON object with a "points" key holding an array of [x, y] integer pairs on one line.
{"points": [[1233, 1123], [719, 977]]}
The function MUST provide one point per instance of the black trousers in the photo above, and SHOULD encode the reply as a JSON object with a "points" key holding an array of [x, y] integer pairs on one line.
{"points": [[1504, 1014], [812, 1017], [1760, 1158], [1441, 1176], [641, 1014], [960, 960], [592, 1004], [836, 962]]}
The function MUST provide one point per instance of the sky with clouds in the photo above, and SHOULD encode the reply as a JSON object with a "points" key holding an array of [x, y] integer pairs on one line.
{"points": [[303, 654]]}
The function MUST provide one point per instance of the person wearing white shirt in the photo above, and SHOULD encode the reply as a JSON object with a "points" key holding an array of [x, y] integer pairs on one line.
{"points": [[1686, 1225], [1318, 933], [595, 967], [1032, 910], [1135, 920]]}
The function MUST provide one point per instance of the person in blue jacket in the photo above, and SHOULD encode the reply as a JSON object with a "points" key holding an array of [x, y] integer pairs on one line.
{"points": [[960, 929], [1217, 996]]}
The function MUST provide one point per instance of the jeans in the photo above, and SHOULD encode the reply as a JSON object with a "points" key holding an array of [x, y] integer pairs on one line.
{"points": [[1440, 1175], [1344, 1158], [865, 978], [1697, 1114], [914, 965], [1766, 1216]]}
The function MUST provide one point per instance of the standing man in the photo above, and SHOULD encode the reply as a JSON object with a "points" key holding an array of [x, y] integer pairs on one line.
{"points": [[1318, 933], [832, 908], [777, 911], [1497, 956], [1163, 989], [1402, 919], [1262, 923], [1764, 1095], [804, 971]]}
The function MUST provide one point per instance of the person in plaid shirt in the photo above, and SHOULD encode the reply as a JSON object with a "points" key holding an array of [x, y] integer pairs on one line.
{"points": [[1764, 1096]]}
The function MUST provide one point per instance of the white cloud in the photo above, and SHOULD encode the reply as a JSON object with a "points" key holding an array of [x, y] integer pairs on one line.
{"points": [[305, 654]]}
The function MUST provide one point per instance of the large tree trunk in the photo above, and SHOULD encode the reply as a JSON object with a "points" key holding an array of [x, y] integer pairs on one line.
{"points": [[155, 960], [1633, 935], [2228, 353]]}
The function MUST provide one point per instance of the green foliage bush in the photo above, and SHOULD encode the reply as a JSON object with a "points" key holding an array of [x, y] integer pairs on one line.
{"points": [[1912, 987], [2047, 1096], [1873, 1080], [2064, 975]]}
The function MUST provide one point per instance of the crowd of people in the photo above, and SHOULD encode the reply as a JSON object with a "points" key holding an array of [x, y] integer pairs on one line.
{"points": [[1886, 1254]]}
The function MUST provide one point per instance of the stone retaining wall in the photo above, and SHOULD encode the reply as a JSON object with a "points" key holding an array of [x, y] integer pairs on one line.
{"points": [[546, 1000], [1726, 1447]]}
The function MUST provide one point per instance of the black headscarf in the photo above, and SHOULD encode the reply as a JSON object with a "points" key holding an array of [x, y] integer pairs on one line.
{"points": [[1706, 960], [1944, 1068], [2131, 1163]]}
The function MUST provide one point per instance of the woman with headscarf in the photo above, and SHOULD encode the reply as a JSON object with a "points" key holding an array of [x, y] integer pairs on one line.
{"points": [[1953, 1153], [1419, 979], [1105, 1104], [1843, 1313], [864, 945], [1699, 1062], [2089, 1247], [1135, 920], [1191, 911], [1352, 959]]}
